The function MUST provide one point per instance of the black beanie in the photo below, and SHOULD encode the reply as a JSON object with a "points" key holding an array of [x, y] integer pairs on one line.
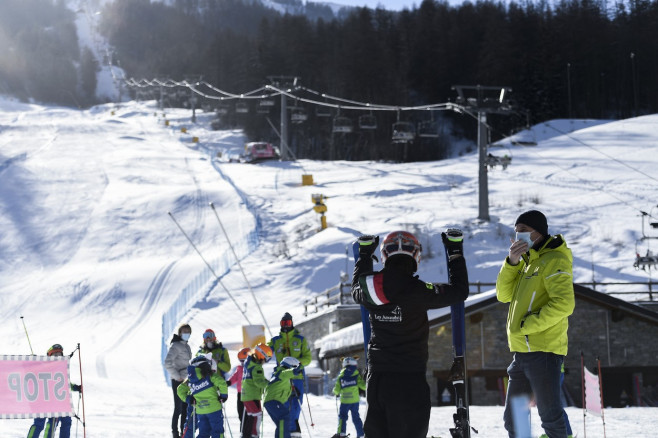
{"points": [[535, 219]]}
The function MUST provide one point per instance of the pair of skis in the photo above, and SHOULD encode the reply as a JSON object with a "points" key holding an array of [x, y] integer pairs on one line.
{"points": [[457, 376]]}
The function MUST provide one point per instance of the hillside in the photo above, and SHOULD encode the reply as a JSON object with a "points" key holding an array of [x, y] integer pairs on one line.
{"points": [[89, 255]]}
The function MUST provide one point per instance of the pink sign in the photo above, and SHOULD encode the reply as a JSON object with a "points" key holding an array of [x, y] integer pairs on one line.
{"points": [[34, 386]]}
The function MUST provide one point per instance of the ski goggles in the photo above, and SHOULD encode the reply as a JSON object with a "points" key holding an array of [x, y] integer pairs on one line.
{"points": [[401, 245], [209, 336], [287, 323]]}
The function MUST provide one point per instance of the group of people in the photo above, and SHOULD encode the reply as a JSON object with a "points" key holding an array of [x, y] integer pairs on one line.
{"points": [[535, 279], [200, 383]]}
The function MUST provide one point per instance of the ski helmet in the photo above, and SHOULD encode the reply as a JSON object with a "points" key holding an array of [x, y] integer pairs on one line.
{"points": [[349, 361], [209, 336], [290, 362], [203, 362], [403, 243], [56, 348], [242, 354], [263, 352]]}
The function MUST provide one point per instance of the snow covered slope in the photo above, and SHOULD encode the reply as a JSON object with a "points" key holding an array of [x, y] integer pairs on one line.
{"points": [[89, 255]]}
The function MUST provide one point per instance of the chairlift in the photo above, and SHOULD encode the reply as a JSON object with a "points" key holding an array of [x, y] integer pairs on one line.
{"points": [[403, 132], [492, 161], [298, 115], [266, 103], [649, 260], [241, 108], [322, 111], [428, 129], [342, 125], [367, 122], [222, 109]]}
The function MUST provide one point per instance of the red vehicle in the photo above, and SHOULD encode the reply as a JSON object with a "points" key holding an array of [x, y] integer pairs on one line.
{"points": [[259, 151]]}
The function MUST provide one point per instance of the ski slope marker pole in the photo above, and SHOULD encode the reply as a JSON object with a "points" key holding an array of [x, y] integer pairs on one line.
{"points": [[82, 394], [28, 336], [237, 260]]}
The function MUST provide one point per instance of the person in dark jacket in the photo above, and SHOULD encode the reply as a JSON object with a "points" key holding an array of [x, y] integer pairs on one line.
{"points": [[397, 394]]}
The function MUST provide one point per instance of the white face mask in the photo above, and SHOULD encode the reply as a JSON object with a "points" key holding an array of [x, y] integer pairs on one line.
{"points": [[210, 344], [185, 336], [525, 236]]}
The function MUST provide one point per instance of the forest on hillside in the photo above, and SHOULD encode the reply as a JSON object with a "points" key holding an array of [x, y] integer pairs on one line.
{"points": [[569, 58]]}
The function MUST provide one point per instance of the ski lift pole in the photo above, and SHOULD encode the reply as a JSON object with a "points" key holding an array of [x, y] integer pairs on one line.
{"points": [[237, 259], [210, 267], [82, 391], [28, 336]]}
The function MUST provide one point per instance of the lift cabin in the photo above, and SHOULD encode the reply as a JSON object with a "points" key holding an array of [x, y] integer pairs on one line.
{"points": [[259, 151]]}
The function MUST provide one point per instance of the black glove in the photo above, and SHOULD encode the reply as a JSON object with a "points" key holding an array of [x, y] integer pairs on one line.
{"points": [[223, 398], [76, 388], [367, 245], [453, 240], [297, 370]]}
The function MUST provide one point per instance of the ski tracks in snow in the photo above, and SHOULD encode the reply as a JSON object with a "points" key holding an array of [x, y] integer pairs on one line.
{"points": [[146, 309]]}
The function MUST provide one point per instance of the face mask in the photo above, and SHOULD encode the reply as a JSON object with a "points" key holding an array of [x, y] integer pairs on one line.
{"points": [[209, 344], [185, 336], [525, 236]]}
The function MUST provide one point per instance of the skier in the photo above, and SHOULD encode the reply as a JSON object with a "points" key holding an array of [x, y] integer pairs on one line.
{"points": [[290, 343], [208, 391], [175, 363], [51, 424], [348, 385], [397, 394], [236, 379], [536, 279], [279, 396], [253, 385], [219, 353]]}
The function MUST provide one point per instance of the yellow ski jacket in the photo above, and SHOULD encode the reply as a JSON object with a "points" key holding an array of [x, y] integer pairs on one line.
{"points": [[540, 292]]}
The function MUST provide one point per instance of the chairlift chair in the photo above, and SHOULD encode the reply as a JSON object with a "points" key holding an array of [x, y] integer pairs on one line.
{"points": [[322, 111], [367, 122], [298, 115], [403, 132], [428, 129], [342, 125], [241, 108], [266, 103], [222, 109]]}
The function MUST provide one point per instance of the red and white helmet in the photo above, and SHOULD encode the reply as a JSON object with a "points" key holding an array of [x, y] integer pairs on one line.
{"points": [[400, 242]]}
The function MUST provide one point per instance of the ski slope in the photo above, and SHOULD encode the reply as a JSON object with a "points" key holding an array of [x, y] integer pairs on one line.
{"points": [[89, 255]]}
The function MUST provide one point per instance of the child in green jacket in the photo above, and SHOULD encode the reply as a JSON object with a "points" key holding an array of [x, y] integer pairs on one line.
{"points": [[208, 391], [253, 385], [278, 395], [348, 385]]}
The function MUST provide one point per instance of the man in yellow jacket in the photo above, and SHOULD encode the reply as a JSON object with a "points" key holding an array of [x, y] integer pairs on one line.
{"points": [[536, 279]]}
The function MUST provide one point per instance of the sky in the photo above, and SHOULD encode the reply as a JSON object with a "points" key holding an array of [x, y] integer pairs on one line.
{"points": [[89, 254]]}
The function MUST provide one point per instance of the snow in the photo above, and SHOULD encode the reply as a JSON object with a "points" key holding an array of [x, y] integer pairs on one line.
{"points": [[89, 255]]}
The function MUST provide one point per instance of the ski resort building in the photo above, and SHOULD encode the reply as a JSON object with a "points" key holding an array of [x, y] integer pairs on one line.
{"points": [[621, 334]]}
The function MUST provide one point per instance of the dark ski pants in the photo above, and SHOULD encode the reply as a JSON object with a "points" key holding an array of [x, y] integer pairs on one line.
{"points": [[211, 425], [253, 414], [398, 405], [50, 424], [296, 405], [345, 409], [180, 410], [280, 414], [538, 374]]}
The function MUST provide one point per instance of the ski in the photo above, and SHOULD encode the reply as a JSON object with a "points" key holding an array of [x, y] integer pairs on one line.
{"points": [[458, 375], [365, 315]]}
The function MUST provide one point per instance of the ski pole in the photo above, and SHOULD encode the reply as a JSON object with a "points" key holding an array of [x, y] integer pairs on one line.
{"points": [[28, 336], [308, 405], [240, 266], [228, 425], [304, 417], [82, 389], [210, 267]]}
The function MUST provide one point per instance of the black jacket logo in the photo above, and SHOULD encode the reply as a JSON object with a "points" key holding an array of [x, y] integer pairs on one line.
{"points": [[394, 315]]}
